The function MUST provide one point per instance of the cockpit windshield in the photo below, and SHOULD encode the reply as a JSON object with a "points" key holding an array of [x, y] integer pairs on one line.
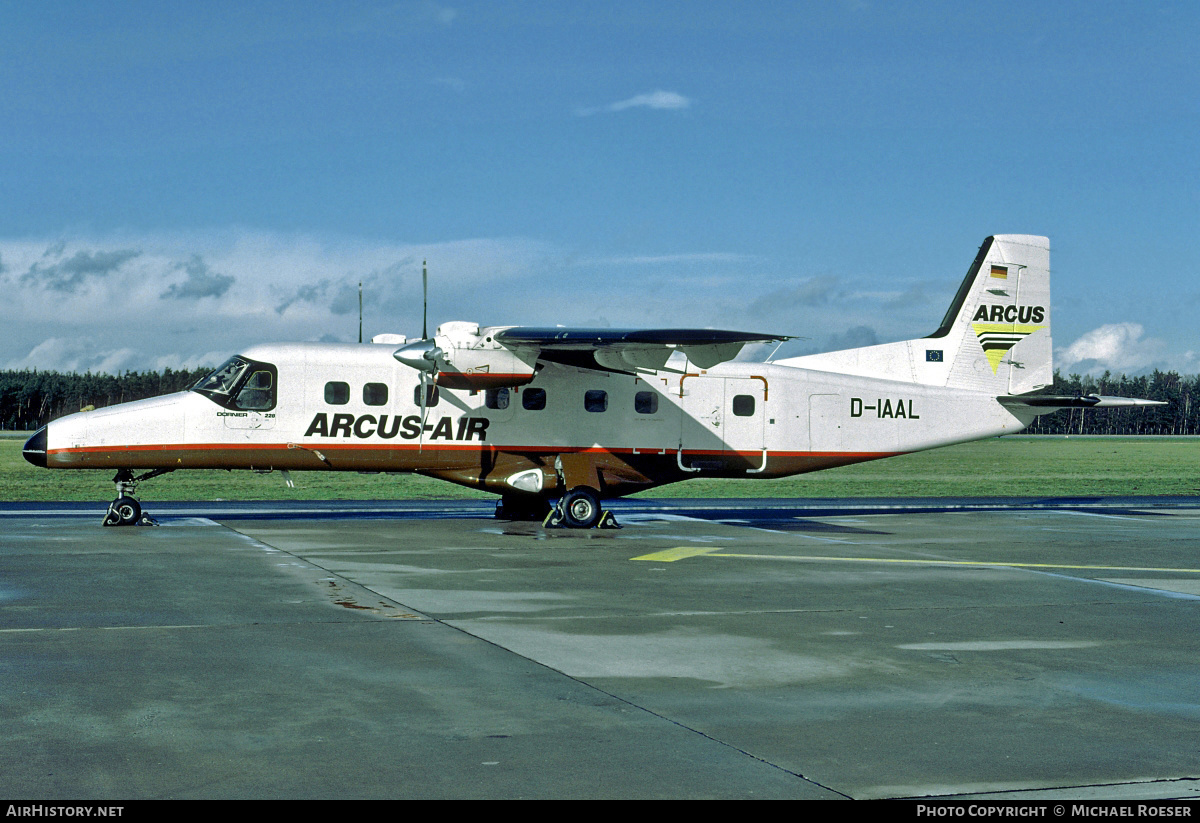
{"points": [[241, 383], [224, 378]]}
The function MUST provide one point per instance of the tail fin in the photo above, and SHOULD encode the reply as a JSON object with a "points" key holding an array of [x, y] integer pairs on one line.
{"points": [[996, 334], [994, 338]]}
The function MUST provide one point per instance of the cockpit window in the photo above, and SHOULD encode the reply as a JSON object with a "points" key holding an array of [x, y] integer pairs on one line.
{"points": [[224, 378], [241, 383], [257, 393]]}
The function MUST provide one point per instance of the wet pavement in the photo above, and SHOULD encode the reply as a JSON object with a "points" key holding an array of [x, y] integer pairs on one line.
{"points": [[724, 651]]}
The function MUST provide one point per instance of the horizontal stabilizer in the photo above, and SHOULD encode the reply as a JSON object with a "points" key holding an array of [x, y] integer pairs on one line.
{"points": [[1046, 403]]}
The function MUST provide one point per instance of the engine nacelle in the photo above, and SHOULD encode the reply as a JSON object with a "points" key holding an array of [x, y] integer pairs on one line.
{"points": [[463, 356]]}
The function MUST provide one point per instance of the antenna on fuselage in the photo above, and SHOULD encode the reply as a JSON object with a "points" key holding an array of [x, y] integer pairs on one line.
{"points": [[359, 311]]}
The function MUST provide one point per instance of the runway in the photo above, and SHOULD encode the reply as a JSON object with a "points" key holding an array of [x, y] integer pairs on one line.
{"points": [[958, 649]]}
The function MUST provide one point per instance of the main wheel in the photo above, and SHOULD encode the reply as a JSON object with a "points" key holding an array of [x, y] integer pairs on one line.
{"points": [[581, 508]]}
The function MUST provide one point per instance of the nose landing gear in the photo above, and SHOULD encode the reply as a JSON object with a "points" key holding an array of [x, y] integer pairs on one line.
{"points": [[126, 510]]}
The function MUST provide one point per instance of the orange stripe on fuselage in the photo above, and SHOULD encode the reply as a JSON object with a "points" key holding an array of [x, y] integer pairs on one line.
{"points": [[481, 447]]}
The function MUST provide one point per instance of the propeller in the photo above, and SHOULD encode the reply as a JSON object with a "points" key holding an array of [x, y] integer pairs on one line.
{"points": [[424, 355], [424, 408]]}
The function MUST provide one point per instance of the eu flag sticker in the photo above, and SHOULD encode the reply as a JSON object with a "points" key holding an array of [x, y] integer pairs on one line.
{"points": [[933, 355]]}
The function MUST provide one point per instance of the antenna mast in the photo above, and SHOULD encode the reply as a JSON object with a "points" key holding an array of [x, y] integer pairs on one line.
{"points": [[425, 301]]}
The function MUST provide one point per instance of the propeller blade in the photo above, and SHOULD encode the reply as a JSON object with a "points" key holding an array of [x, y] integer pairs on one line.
{"points": [[424, 301], [424, 410]]}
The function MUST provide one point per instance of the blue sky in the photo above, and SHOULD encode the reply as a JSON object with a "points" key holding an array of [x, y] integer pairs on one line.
{"points": [[179, 181]]}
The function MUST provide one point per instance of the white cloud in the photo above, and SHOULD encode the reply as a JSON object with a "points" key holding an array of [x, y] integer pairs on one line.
{"points": [[662, 100], [139, 302], [146, 301], [442, 14], [1123, 348], [77, 355]]}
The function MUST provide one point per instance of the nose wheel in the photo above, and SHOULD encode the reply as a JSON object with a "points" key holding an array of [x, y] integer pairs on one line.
{"points": [[126, 510]]}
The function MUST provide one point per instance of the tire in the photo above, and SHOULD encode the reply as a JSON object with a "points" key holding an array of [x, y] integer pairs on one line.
{"points": [[127, 510], [581, 508]]}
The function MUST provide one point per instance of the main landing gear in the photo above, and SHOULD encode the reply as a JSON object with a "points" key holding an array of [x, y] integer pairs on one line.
{"points": [[580, 509], [126, 510], [577, 509]]}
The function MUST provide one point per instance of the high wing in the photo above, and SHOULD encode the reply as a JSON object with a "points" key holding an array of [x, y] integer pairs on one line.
{"points": [[628, 350]]}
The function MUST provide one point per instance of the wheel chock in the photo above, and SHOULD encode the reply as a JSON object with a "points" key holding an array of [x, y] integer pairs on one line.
{"points": [[557, 520], [607, 521]]}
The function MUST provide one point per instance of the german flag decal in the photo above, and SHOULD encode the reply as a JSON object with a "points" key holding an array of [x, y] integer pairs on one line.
{"points": [[1000, 272]]}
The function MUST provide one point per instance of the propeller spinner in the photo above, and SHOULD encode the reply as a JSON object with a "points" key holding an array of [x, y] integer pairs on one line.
{"points": [[423, 355]]}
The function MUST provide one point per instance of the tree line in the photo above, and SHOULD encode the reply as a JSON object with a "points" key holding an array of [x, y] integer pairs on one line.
{"points": [[1181, 415], [29, 399]]}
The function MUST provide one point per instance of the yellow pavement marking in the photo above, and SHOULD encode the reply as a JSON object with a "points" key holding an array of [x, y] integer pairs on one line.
{"points": [[679, 553], [956, 562], [671, 555]]}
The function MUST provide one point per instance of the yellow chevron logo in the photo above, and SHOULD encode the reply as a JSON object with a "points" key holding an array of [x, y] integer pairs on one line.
{"points": [[997, 339]]}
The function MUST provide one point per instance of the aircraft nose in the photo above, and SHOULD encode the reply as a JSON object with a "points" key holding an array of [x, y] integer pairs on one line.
{"points": [[35, 448]]}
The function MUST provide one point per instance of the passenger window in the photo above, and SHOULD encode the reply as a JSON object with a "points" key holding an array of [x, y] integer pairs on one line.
{"points": [[595, 400], [496, 398], [743, 405], [337, 393], [375, 394], [645, 402], [534, 399], [431, 396]]}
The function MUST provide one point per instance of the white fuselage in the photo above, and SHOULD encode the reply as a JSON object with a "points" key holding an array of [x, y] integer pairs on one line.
{"points": [[354, 407]]}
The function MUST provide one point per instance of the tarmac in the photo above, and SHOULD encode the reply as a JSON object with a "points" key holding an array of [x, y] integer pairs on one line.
{"points": [[954, 650]]}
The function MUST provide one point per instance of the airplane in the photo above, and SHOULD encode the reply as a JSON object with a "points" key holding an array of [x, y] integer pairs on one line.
{"points": [[556, 420]]}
